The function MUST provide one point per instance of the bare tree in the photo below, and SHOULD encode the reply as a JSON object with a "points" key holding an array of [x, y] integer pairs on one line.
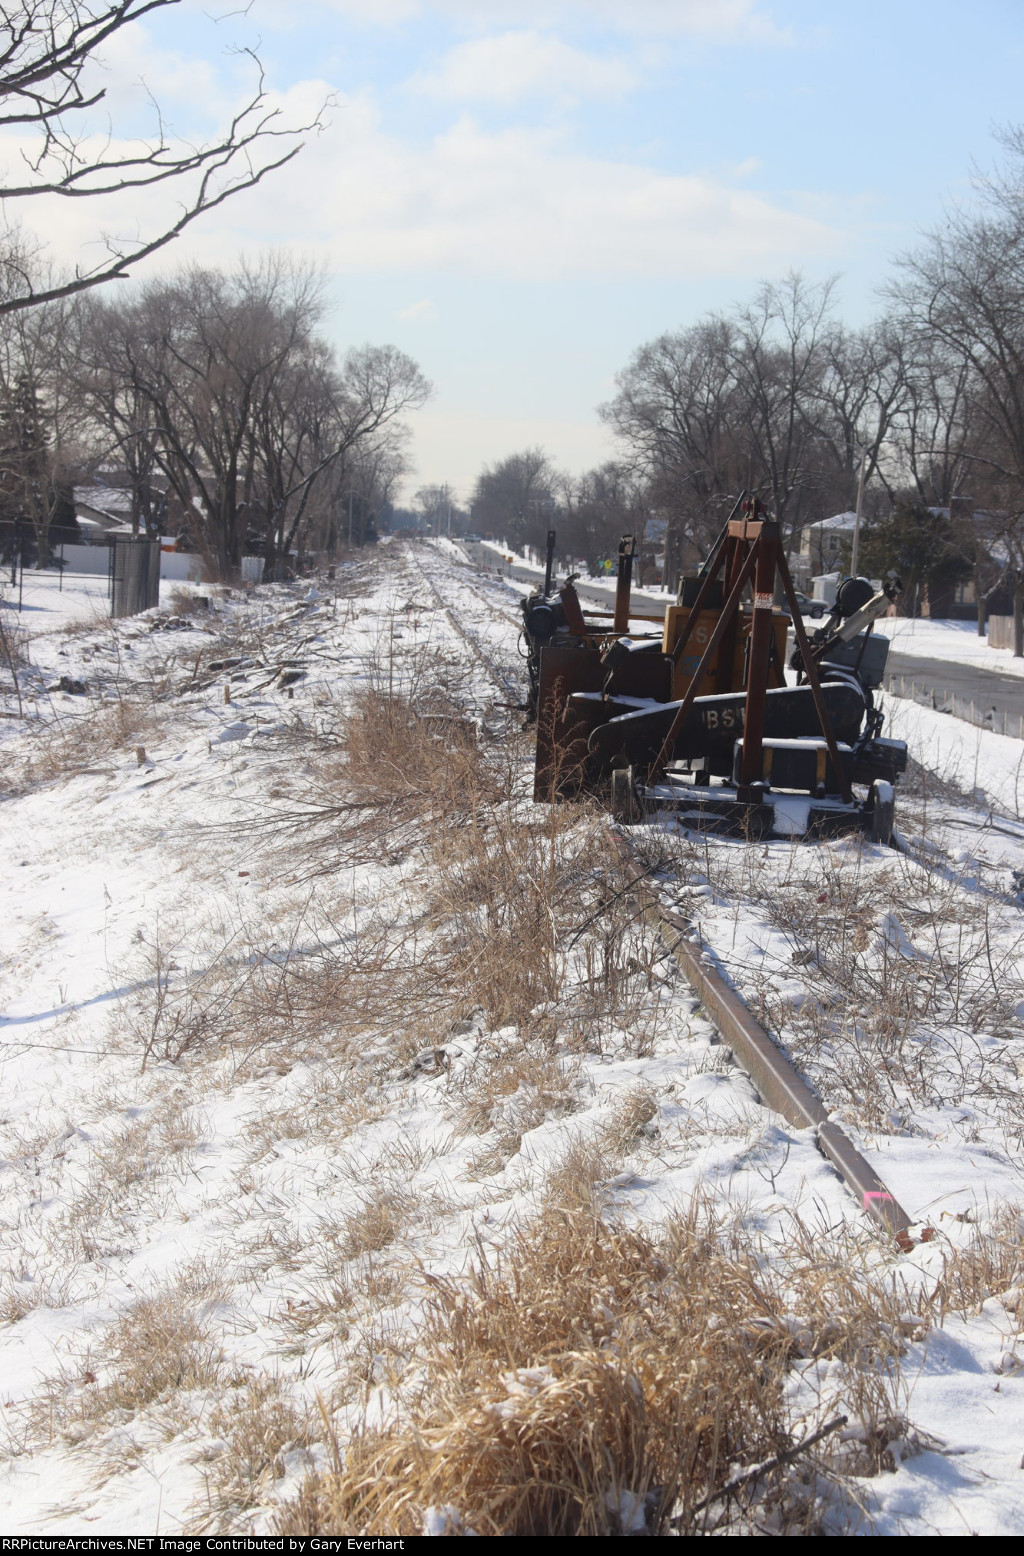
{"points": [[933, 436], [677, 411], [778, 358], [514, 499], [963, 290], [375, 469], [223, 384], [735, 401], [355, 430], [41, 422], [47, 93], [860, 394], [342, 442], [195, 360], [601, 506], [438, 506]]}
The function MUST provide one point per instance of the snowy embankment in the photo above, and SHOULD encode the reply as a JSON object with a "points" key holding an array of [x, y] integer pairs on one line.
{"points": [[307, 1010], [987, 767]]}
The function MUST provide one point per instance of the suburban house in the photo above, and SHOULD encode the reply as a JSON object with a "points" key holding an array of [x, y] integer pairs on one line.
{"points": [[821, 547], [817, 564], [102, 509]]}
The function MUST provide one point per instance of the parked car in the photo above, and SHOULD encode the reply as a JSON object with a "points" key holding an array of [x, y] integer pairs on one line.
{"points": [[808, 607]]}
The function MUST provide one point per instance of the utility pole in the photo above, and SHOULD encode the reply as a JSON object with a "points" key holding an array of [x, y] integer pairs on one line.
{"points": [[857, 515]]}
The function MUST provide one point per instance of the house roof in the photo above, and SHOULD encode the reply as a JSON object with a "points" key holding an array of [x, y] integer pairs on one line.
{"points": [[112, 501], [838, 521]]}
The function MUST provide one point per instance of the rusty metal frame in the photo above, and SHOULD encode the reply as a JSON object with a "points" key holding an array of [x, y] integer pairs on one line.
{"points": [[750, 547]]}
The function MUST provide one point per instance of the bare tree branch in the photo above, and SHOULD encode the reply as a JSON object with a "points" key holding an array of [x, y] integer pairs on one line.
{"points": [[49, 44]]}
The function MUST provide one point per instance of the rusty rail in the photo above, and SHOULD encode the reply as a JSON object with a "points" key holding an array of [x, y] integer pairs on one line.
{"points": [[779, 1084]]}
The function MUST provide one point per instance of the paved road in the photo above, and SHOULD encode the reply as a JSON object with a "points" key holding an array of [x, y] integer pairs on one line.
{"points": [[602, 595], [987, 689]]}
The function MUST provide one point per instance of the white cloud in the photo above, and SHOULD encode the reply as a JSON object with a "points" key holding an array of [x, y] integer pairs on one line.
{"points": [[718, 20], [514, 65], [520, 203], [424, 309], [133, 69]]}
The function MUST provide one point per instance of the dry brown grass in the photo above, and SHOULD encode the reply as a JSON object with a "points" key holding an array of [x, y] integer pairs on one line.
{"points": [[916, 966], [587, 1373], [574, 1185], [256, 1424], [991, 1264], [515, 1083], [74, 742], [632, 1121], [379, 1219], [160, 1349], [332, 1305], [182, 602], [592, 1379], [488, 912], [22, 1293], [208, 989]]}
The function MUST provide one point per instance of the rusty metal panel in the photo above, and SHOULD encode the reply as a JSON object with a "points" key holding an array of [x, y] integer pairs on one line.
{"points": [[642, 675], [562, 732]]}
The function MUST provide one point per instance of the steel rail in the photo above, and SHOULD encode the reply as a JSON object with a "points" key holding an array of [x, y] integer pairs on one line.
{"points": [[779, 1083]]}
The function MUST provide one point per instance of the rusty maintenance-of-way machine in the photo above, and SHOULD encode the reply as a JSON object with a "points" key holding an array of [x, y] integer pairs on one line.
{"points": [[697, 719]]}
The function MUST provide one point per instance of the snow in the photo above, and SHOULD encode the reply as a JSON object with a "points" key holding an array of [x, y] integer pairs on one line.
{"points": [[956, 641], [105, 499], [501, 553], [839, 521], [986, 766], [226, 1179], [46, 604]]}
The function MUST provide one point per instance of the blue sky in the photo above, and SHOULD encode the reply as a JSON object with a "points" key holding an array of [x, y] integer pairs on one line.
{"points": [[519, 194]]}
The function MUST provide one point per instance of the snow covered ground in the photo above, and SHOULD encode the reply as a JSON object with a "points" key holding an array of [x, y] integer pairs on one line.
{"points": [[984, 765], [957, 641], [47, 602], [300, 1014]]}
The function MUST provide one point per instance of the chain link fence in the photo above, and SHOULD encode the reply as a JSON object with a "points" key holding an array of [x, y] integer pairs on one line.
{"points": [[130, 562]]}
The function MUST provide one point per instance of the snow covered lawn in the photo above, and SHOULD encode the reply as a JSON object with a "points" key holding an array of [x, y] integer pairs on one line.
{"points": [[957, 641], [48, 603]]}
